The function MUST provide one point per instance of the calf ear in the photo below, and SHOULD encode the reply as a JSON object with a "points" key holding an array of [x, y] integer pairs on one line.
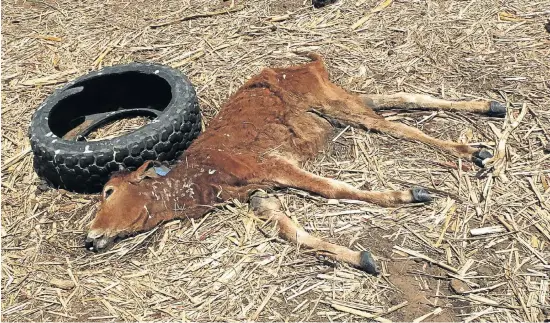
{"points": [[149, 169]]}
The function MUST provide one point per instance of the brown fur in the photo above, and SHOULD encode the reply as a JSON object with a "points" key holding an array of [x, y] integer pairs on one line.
{"points": [[274, 122]]}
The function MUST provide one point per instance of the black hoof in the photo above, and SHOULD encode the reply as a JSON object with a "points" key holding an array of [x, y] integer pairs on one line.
{"points": [[479, 157], [89, 244], [367, 263], [496, 109], [421, 195], [321, 3]]}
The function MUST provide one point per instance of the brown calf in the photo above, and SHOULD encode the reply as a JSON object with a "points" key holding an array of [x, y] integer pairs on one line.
{"points": [[276, 121]]}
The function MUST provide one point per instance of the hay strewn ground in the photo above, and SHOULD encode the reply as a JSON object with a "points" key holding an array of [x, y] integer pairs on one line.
{"points": [[222, 267]]}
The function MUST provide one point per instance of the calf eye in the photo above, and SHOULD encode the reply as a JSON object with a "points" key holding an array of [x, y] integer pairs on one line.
{"points": [[108, 192]]}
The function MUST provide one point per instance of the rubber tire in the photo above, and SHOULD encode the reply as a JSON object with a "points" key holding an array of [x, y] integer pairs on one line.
{"points": [[85, 167]]}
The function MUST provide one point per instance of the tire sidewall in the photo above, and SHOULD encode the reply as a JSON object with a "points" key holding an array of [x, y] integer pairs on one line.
{"points": [[50, 149]]}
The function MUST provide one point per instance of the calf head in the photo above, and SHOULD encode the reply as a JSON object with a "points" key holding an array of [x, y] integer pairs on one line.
{"points": [[129, 204]]}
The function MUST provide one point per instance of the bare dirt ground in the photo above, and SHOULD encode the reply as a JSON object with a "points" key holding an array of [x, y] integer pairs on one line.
{"points": [[222, 268]]}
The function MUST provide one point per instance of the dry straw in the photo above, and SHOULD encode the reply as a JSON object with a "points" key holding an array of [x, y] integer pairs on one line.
{"points": [[479, 252]]}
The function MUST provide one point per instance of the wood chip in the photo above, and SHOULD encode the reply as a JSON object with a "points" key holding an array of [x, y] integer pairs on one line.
{"points": [[62, 283], [458, 286], [487, 230]]}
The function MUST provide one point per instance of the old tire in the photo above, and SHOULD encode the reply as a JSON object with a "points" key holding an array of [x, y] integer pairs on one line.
{"points": [[85, 166]]}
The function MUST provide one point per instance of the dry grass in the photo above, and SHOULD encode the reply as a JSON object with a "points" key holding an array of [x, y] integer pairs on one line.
{"points": [[117, 128], [222, 267]]}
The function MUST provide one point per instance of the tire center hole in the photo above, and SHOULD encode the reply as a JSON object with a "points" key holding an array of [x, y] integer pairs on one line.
{"points": [[96, 102]]}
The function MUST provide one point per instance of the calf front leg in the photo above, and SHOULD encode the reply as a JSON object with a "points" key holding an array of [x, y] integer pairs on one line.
{"points": [[281, 173], [269, 208], [409, 101]]}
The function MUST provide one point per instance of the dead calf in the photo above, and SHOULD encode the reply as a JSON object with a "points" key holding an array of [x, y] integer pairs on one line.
{"points": [[268, 128]]}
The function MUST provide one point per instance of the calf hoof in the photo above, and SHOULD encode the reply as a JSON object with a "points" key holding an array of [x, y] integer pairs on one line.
{"points": [[321, 3], [496, 109], [480, 157], [421, 195], [367, 263]]}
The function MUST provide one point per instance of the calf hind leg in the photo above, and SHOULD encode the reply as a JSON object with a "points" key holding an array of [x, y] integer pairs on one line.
{"points": [[285, 174], [411, 101], [358, 119], [477, 156], [269, 208]]}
